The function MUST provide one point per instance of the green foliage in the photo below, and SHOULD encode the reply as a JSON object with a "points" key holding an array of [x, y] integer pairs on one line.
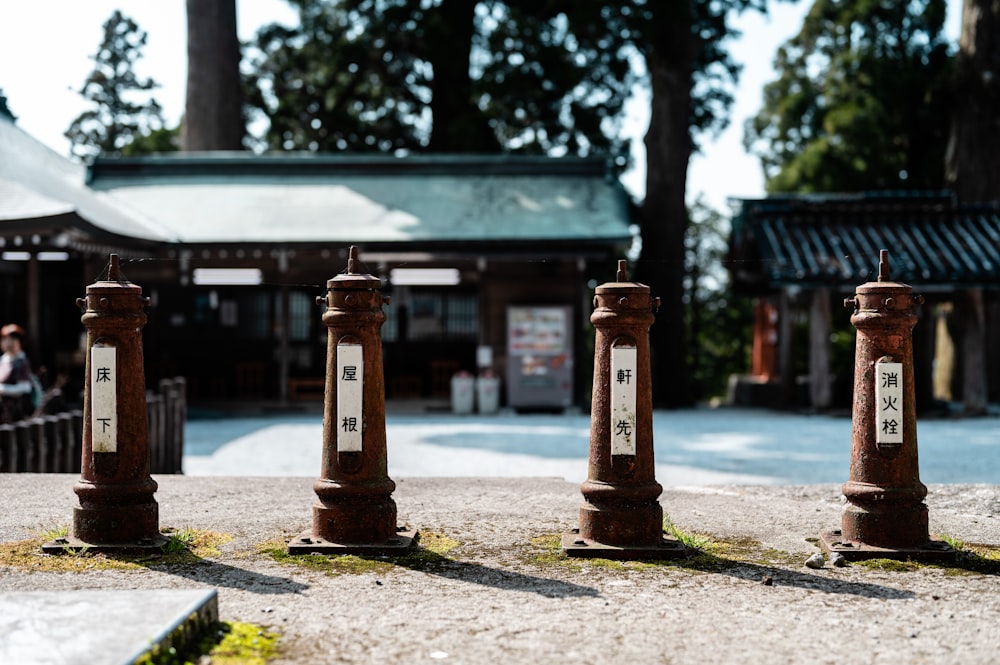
{"points": [[4, 109], [156, 141], [718, 322], [450, 76], [121, 108], [862, 101]]}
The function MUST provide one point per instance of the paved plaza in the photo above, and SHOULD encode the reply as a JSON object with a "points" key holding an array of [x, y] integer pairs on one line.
{"points": [[692, 447]]}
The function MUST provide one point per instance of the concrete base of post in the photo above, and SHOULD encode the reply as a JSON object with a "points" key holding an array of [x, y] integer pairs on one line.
{"points": [[668, 547], [400, 543], [933, 550]]}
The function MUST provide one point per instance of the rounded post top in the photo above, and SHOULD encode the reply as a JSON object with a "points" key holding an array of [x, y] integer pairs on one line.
{"points": [[352, 260], [883, 266], [114, 269], [622, 271]]}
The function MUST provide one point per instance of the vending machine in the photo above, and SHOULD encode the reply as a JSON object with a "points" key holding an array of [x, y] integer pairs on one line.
{"points": [[539, 357]]}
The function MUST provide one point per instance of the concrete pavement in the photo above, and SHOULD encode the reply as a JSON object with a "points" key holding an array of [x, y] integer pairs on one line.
{"points": [[501, 593]]}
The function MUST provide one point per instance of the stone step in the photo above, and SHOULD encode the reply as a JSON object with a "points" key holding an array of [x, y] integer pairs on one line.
{"points": [[100, 627]]}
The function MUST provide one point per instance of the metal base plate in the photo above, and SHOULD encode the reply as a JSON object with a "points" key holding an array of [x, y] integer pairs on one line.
{"points": [[668, 548], [933, 550], [307, 543], [71, 545]]}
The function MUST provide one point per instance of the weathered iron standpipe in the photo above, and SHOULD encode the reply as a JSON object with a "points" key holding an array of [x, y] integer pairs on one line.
{"points": [[885, 515], [622, 517], [117, 511], [354, 511]]}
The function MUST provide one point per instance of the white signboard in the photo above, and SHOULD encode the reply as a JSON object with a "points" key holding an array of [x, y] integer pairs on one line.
{"points": [[623, 419], [350, 388], [889, 402], [104, 399]]}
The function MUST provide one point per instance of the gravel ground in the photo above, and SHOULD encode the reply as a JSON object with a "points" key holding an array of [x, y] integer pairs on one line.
{"points": [[499, 598]]}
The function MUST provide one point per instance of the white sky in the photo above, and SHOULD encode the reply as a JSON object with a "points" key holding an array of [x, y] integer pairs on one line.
{"points": [[46, 48]]}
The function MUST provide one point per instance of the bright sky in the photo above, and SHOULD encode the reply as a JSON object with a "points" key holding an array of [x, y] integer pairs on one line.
{"points": [[46, 48]]}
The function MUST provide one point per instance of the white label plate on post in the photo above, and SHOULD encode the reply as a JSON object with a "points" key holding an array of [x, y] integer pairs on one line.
{"points": [[623, 418], [889, 402], [104, 399], [350, 388]]}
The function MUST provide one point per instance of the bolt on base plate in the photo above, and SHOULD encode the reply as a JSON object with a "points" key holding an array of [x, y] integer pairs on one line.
{"points": [[307, 543], [71, 545], [933, 550], [668, 548]]}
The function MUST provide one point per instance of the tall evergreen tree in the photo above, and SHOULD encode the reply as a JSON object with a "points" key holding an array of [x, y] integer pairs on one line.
{"points": [[122, 108], [213, 107], [973, 171], [973, 160], [4, 109], [861, 101], [540, 76]]}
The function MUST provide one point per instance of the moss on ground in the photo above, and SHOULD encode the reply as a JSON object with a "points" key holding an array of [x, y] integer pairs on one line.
{"points": [[429, 555], [708, 553], [184, 546], [225, 643]]}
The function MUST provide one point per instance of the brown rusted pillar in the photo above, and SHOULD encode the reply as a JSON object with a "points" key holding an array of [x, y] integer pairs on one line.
{"points": [[354, 511], [621, 517], [885, 515], [117, 510]]}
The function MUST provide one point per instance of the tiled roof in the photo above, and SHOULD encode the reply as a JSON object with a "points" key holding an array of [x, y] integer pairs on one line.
{"points": [[305, 198], [835, 240], [40, 189]]}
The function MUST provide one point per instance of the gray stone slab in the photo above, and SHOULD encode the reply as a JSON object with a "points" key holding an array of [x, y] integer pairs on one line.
{"points": [[96, 627]]}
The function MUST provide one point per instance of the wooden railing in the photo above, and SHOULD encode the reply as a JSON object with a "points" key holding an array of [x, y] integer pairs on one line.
{"points": [[53, 443]]}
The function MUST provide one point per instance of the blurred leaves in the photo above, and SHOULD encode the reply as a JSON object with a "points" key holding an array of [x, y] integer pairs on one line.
{"points": [[122, 107], [862, 101]]}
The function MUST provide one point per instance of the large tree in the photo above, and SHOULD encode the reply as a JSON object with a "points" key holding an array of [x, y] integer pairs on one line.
{"points": [[542, 76], [973, 170], [861, 101], [449, 76], [213, 107], [689, 74], [122, 108], [4, 110]]}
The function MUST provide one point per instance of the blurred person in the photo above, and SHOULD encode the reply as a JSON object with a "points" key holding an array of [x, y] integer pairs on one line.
{"points": [[15, 376]]}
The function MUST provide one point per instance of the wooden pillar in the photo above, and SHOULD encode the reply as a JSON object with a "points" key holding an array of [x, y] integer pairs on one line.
{"points": [[973, 313], [763, 358], [819, 349], [785, 365], [34, 307]]}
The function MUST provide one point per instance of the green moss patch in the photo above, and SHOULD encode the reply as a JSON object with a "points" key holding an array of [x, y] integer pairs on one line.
{"points": [[708, 554], [431, 554], [184, 546], [225, 644]]}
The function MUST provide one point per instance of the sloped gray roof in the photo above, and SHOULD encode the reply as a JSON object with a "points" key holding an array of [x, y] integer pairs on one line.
{"points": [[226, 198], [39, 187], [834, 239]]}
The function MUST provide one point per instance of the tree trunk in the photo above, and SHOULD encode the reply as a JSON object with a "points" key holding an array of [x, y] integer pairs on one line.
{"points": [[973, 159], [213, 109], [973, 165], [458, 125], [664, 217]]}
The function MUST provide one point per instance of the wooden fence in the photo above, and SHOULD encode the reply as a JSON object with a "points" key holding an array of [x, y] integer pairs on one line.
{"points": [[53, 443]]}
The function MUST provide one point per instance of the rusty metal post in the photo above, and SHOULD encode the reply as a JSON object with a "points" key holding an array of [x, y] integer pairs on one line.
{"points": [[622, 517], [885, 515], [117, 511], [354, 512]]}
